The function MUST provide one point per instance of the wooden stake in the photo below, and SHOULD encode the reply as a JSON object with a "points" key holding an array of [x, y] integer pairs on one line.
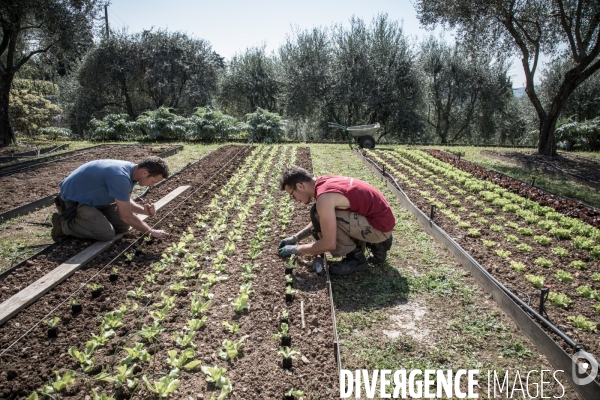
{"points": [[302, 313]]}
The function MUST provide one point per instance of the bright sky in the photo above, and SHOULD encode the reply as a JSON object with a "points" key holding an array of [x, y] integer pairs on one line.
{"points": [[231, 26]]}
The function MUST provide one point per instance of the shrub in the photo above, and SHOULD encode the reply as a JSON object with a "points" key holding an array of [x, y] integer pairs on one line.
{"points": [[162, 125], [543, 262], [208, 124], [55, 133], [112, 127], [265, 126]]}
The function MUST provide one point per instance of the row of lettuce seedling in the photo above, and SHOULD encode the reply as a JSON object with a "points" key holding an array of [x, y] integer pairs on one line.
{"points": [[488, 195], [186, 253]]}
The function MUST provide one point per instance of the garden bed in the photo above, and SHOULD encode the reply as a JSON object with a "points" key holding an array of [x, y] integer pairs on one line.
{"points": [[503, 232], [248, 205], [23, 184]]}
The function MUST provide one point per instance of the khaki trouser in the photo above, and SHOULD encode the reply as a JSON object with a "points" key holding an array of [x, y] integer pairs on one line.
{"points": [[354, 230], [100, 223]]}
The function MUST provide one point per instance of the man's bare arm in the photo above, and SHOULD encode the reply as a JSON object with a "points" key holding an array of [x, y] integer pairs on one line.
{"points": [[326, 211], [304, 233], [126, 214]]}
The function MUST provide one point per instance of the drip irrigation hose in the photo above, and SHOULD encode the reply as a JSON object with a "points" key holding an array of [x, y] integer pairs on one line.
{"points": [[116, 257], [515, 298]]}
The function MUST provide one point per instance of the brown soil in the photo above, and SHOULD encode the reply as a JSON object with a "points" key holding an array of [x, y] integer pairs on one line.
{"points": [[570, 163], [501, 268], [24, 184], [256, 374]]}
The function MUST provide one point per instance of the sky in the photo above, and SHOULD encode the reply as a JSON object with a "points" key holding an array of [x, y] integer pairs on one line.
{"points": [[231, 26]]}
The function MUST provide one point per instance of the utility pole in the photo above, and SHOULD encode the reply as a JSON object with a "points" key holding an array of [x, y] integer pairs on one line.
{"points": [[106, 19]]}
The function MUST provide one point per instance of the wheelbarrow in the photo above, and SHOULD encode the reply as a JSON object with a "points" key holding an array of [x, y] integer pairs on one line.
{"points": [[361, 134]]}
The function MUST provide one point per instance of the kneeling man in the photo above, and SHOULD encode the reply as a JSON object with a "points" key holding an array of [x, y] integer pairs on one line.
{"points": [[348, 213], [95, 199]]}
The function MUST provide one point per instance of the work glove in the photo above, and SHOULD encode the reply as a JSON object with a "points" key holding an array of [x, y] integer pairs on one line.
{"points": [[288, 241], [288, 250]]}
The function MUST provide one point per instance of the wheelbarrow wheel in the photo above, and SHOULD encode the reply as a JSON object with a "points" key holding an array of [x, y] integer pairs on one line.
{"points": [[367, 142]]}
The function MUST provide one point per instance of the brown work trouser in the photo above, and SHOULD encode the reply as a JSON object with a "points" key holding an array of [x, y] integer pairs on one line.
{"points": [[100, 223], [354, 230]]}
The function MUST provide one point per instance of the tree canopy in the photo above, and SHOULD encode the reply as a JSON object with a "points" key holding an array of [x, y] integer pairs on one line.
{"points": [[528, 28]]}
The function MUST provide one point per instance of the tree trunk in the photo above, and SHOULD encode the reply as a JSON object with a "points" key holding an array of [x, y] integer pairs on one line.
{"points": [[7, 135], [547, 142]]}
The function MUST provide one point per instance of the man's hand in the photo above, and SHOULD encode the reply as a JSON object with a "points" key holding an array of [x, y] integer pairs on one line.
{"points": [[149, 209], [157, 233], [288, 250], [288, 241]]}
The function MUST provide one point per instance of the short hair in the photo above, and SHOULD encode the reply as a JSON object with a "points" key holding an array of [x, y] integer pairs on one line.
{"points": [[292, 175], [155, 166]]}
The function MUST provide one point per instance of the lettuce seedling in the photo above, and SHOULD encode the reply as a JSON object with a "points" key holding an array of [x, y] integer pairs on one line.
{"points": [[511, 238], [52, 323], [159, 267], [186, 273], [205, 291], [182, 361], [503, 253], [137, 352], [231, 348], [159, 315], [84, 359], [136, 293], [524, 247], [167, 301], [198, 307], [543, 240], [196, 324], [582, 323], [578, 264], [184, 341], [245, 288], [285, 330], [240, 303], [177, 249], [178, 287], [150, 278], [232, 328], [102, 338], [288, 352], [517, 266], [289, 278], [112, 319], [211, 279], [559, 299], [296, 394], [59, 384], [588, 292], [150, 333], [214, 375], [164, 387], [96, 396], [559, 251], [563, 276], [488, 243], [289, 290], [596, 277], [536, 281], [229, 248], [121, 378], [247, 270], [94, 286], [543, 262]]}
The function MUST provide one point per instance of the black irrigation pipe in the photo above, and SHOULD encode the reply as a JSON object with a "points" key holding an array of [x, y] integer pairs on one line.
{"points": [[81, 286], [31, 154], [516, 308], [48, 200]]}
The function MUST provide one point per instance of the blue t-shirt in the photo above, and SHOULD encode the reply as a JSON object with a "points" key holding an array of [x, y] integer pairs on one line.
{"points": [[99, 183]]}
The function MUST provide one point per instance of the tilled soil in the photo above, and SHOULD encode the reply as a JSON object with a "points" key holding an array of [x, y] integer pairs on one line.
{"points": [[256, 374], [501, 268], [24, 184], [196, 174]]}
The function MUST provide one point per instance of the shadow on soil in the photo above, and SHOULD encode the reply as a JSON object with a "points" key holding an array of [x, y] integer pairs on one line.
{"points": [[380, 287]]}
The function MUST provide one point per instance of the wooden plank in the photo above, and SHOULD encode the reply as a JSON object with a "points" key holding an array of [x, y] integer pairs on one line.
{"points": [[31, 293]]}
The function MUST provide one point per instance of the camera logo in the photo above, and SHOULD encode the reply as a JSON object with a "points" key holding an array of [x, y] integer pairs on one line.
{"points": [[579, 370]]}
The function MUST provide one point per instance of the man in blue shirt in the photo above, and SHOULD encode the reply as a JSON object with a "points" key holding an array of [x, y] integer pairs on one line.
{"points": [[95, 199]]}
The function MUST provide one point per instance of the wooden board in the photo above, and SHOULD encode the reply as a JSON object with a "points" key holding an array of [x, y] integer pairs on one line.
{"points": [[31, 293]]}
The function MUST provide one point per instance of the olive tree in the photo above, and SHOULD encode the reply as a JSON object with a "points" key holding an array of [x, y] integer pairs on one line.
{"points": [[528, 28], [34, 27]]}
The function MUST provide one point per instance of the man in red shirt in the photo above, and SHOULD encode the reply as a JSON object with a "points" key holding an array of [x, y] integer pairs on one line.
{"points": [[347, 214]]}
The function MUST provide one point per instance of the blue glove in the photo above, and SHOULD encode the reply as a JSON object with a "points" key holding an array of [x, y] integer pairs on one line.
{"points": [[288, 250]]}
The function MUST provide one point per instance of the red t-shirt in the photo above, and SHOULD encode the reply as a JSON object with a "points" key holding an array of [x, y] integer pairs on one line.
{"points": [[364, 199]]}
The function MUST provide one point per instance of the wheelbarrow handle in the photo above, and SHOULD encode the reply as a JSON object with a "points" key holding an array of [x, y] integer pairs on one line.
{"points": [[334, 125]]}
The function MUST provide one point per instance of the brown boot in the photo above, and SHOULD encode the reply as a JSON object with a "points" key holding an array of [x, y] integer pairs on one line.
{"points": [[57, 232]]}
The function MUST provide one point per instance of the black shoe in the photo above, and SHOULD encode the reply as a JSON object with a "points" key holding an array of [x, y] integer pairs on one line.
{"points": [[57, 232], [351, 263], [379, 250]]}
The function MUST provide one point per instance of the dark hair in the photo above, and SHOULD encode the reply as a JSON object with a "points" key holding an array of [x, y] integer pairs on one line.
{"points": [[155, 166], [292, 175]]}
